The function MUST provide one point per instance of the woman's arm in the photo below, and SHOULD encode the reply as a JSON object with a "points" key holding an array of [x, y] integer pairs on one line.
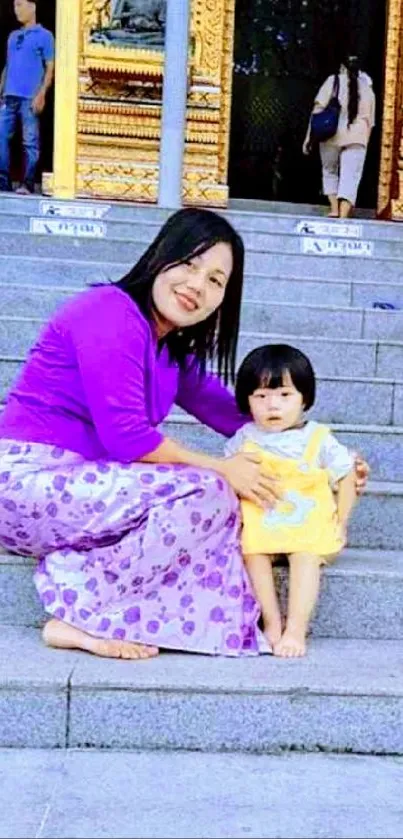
{"points": [[207, 399]]}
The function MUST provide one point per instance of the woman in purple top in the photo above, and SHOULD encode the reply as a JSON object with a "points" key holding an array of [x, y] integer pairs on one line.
{"points": [[136, 536]]}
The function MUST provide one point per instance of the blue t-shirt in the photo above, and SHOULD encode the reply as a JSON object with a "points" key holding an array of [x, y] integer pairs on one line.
{"points": [[28, 50]]}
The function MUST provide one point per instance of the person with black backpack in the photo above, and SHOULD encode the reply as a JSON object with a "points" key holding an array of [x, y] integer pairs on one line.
{"points": [[341, 122]]}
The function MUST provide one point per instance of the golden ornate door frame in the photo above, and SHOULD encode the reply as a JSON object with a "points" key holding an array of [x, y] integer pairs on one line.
{"points": [[108, 109], [390, 191]]}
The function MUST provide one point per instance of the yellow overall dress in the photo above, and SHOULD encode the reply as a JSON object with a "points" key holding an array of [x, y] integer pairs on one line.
{"points": [[305, 519]]}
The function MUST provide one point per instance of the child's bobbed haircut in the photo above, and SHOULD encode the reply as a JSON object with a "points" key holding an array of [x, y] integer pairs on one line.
{"points": [[266, 367]]}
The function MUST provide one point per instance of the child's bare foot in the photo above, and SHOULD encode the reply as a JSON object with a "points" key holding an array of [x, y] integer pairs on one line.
{"points": [[291, 645], [273, 629], [60, 634]]}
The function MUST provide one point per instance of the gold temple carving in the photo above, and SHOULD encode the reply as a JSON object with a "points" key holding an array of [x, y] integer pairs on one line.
{"points": [[109, 104]]}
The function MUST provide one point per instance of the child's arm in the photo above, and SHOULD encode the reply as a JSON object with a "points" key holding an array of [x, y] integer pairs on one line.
{"points": [[336, 458], [346, 498]]}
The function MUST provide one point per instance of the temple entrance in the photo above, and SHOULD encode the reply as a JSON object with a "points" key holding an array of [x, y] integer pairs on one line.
{"points": [[284, 50], [46, 15]]}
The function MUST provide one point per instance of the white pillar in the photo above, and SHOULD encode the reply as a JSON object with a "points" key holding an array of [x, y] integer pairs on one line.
{"points": [[173, 125]]}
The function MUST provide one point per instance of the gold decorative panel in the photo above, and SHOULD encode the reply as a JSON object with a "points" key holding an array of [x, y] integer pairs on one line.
{"points": [[390, 192], [109, 97], [118, 116]]}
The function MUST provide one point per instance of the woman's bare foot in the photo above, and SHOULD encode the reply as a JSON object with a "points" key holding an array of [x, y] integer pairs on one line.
{"points": [[290, 645], [273, 629], [60, 634]]}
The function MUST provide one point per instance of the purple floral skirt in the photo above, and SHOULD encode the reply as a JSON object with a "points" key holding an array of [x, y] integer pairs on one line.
{"points": [[147, 553]]}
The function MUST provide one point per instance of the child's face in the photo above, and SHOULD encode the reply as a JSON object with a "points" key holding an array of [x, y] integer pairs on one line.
{"points": [[276, 409]]}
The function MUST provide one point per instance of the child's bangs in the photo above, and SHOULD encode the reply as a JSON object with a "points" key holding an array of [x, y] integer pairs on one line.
{"points": [[273, 379]]}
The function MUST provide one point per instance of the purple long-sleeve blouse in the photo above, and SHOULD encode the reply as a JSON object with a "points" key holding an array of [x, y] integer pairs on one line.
{"points": [[94, 383]]}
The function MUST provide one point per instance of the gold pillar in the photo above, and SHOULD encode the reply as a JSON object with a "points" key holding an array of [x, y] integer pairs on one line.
{"points": [[390, 191], [66, 98]]}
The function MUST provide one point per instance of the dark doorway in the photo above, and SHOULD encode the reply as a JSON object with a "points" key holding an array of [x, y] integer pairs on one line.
{"points": [[46, 15], [284, 50]]}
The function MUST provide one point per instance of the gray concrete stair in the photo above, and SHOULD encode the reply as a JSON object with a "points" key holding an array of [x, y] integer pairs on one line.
{"points": [[196, 796], [291, 318], [363, 358], [382, 445], [314, 319], [285, 257], [335, 356], [308, 319], [251, 216], [68, 273], [361, 595], [345, 696], [44, 281], [259, 234], [350, 400]]}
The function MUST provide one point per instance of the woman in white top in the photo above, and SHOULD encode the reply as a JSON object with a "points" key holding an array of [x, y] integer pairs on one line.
{"points": [[343, 156]]}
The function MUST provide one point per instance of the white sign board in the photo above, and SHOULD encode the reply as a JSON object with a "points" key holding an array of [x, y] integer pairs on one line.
{"points": [[327, 228], [62, 209], [336, 247], [64, 227]]}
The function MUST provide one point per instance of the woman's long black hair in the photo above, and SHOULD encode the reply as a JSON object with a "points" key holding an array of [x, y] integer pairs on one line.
{"points": [[189, 233], [352, 65]]}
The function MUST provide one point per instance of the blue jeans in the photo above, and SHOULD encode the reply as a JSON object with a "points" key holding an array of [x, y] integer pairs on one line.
{"points": [[12, 109]]}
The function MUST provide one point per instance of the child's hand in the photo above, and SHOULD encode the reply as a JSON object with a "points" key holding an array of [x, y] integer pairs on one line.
{"points": [[362, 471]]}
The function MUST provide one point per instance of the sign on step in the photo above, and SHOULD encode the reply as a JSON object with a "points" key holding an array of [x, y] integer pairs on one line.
{"points": [[65, 209], [79, 228], [320, 246], [345, 230]]}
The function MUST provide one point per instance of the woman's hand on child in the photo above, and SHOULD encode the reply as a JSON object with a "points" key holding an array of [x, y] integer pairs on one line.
{"points": [[244, 474], [362, 471]]}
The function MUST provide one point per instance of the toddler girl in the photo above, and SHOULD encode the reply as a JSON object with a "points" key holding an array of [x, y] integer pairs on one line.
{"points": [[276, 385]]}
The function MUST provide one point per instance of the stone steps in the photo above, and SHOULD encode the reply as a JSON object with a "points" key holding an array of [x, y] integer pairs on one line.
{"points": [[321, 320], [361, 595], [295, 319], [330, 356], [382, 445], [345, 696], [259, 233], [44, 285], [258, 216], [335, 356], [59, 272], [283, 258], [370, 356], [41, 290], [39, 786], [339, 400]]}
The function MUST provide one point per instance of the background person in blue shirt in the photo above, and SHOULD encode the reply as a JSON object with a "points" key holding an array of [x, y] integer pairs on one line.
{"points": [[24, 83]]}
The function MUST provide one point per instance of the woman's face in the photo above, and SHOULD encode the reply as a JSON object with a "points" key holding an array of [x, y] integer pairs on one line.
{"points": [[188, 293]]}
